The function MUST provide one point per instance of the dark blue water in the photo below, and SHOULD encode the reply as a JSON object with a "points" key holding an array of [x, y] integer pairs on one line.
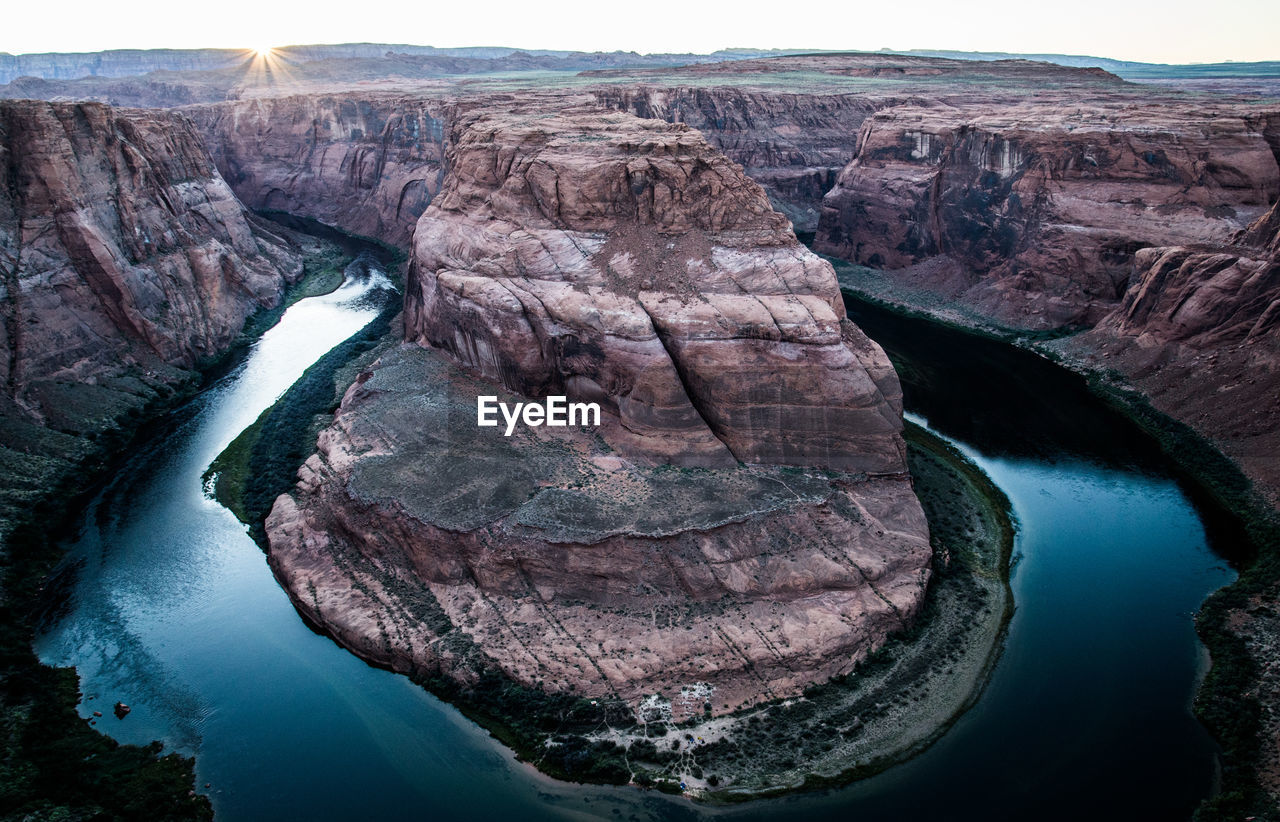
{"points": [[175, 612]]}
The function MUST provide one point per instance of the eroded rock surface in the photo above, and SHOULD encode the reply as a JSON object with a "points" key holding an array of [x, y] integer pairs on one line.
{"points": [[435, 547], [1037, 208], [367, 163], [122, 242], [625, 261], [1199, 332], [792, 143], [622, 261], [126, 260]]}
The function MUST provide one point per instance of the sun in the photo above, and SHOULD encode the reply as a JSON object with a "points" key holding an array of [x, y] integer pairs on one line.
{"points": [[263, 51]]}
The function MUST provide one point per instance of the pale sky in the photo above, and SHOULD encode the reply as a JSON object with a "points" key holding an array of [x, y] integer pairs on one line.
{"points": [[1175, 31]]}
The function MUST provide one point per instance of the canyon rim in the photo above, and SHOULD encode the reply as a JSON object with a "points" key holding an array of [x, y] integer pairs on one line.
{"points": [[749, 546]]}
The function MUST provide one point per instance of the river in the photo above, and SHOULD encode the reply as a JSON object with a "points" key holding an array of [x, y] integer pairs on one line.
{"points": [[173, 610]]}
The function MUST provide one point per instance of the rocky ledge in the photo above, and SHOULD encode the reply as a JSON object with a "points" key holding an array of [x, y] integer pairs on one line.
{"points": [[1030, 213], [740, 526], [431, 546], [366, 163]]}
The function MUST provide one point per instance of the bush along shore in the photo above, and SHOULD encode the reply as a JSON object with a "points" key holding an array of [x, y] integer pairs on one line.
{"points": [[53, 763], [262, 462], [895, 703], [1235, 623]]}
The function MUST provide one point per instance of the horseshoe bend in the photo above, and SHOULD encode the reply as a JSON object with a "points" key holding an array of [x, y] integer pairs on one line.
{"points": [[742, 520], [686, 422]]}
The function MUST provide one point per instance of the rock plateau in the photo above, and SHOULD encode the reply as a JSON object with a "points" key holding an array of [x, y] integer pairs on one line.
{"points": [[623, 261]]}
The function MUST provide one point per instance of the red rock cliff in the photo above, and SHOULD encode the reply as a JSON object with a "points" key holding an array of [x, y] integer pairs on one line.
{"points": [[1199, 332], [435, 547], [126, 260], [1040, 206], [626, 261], [122, 245], [366, 163], [792, 143]]}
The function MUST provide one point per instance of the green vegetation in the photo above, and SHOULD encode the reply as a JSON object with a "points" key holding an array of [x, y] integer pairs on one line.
{"points": [[262, 462], [525, 720], [931, 459], [898, 701], [872, 286], [905, 695], [87, 426], [53, 764], [392, 257]]}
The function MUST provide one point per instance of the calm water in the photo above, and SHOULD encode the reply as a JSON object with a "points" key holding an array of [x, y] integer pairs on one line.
{"points": [[175, 612]]}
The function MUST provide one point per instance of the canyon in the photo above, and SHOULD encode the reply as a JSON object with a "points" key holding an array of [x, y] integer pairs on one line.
{"points": [[1031, 214], [742, 525], [369, 165], [1015, 193], [127, 263], [1205, 315]]}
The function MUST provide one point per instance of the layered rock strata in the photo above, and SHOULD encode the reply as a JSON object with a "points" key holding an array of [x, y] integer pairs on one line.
{"points": [[127, 260], [793, 122], [1031, 214], [1020, 190], [792, 144], [368, 163], [434, 547], [627, 262], [622, 261], [1199, 332]]}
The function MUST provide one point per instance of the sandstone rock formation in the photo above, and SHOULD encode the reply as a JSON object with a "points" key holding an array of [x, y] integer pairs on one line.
{"points": [[625, 261], [792, 143], [123, 242], [1018, 189], [371, 162], [793, 122], [1038, 208], [126, 260], [115, 63], [368, 164], [622, 261], [1199, 332], [434, 547], [629, 262]]}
